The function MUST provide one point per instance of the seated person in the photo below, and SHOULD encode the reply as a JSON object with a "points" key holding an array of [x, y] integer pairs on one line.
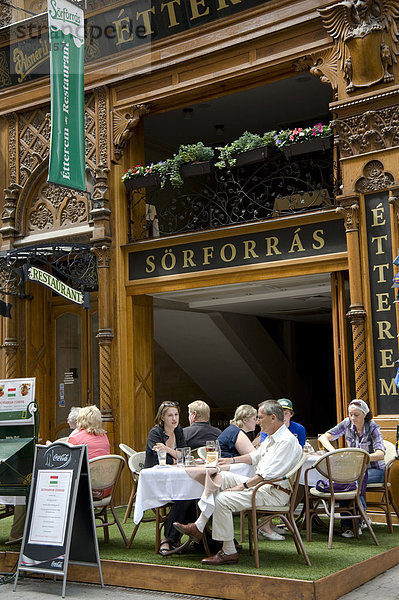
{"points": [[360, 431], [273, 459], [168, 435], [233, 440], [90, 432], [295, 428], [200, 430]]}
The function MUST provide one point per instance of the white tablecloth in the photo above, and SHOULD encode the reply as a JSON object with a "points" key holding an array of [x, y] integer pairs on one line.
{"points": [[160, 485], [313, 475]]}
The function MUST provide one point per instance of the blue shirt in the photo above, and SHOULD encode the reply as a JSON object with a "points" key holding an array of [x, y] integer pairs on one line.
{"points": [[296, 429]]}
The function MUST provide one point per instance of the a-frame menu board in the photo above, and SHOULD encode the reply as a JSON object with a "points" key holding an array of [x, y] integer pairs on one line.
{"points": [[59, 527]]}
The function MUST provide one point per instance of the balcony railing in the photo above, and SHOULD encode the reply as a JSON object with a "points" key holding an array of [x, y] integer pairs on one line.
{"points": [[279, 186]]}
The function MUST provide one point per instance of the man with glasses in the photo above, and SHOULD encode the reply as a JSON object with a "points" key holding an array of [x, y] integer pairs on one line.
{"points": [[200, 430], [273, 459]]}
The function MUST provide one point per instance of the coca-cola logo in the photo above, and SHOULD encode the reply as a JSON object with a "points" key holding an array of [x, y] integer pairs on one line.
{"points": [[57, 564], [57, 457]]}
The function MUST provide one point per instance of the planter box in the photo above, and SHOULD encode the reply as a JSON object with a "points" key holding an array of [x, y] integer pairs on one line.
{"points": [[318, 144], [195, 169], [254, 156], [143, 181]]}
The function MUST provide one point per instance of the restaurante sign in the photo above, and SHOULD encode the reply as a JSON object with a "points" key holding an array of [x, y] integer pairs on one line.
{"points": [[260, 247], [59, 287]]}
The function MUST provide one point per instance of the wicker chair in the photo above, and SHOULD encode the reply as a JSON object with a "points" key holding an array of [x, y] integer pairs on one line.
{"points": [[128, 452], [344, 466], [386, 502], [105, 472], [285, 513]]}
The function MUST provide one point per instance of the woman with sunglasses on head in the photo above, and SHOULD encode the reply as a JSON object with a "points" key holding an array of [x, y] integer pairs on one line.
{"points": [[360, 432], [168, 435]]}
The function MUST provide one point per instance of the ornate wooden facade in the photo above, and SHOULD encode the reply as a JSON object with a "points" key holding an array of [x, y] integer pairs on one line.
{"points": [[257, 44]]}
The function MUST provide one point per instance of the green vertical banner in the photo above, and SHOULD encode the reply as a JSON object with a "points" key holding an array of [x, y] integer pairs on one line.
{"points": [[67, 148]]}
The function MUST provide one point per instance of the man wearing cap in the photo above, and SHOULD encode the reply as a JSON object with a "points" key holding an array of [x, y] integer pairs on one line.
{"points": [[295, 428]]}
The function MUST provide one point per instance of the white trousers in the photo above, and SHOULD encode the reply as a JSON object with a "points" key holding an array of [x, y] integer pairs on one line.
{"points": [[227, 503]]}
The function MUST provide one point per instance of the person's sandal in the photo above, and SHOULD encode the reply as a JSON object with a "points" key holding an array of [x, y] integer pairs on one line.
{"points": [[164, 548]]}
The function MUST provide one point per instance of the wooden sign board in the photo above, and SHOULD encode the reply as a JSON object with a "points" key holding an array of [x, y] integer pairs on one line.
{"points": [[60, 526]]}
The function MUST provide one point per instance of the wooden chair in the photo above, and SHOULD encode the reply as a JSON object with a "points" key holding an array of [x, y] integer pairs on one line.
{"points": [[285, 513], [386, 502], [344, 466], [105, 472], [128, 452]]}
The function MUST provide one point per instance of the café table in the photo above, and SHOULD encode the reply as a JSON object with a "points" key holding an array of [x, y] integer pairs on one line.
{"points": [[161, 484], [313, 476]]}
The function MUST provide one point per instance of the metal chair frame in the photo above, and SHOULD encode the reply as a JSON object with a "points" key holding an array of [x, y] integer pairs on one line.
{"points": [[384, 488]]}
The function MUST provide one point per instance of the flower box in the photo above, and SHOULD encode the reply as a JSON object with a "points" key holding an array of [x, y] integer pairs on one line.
{"points": [[254, 156], [195, 169], [142, 181], [317, 144]]}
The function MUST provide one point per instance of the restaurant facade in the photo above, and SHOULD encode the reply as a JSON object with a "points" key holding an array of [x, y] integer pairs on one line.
{"points": [[268, 278]]}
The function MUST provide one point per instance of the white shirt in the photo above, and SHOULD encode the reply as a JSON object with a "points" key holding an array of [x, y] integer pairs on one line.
{"points": [[277, 455]]}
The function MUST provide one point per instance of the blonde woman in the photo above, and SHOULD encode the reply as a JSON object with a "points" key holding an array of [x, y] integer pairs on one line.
{"points": [[233, 440], [90, 432]]}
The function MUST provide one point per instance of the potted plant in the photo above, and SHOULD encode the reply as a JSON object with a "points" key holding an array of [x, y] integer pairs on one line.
{"points": [[141, 176], [248, 148], [304, 140], [191, 160]]}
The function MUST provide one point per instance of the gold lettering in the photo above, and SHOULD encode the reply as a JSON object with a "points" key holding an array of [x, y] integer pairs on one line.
{"points": [[296, 245], [195, 4], [223, 252], [249, 249], [383, 301], [188, 258], [146, 19], [380, 269], [378, 213], [386, 355], [271, 246], [172, 260], [208, 253], [122, 26], [150, 268], [383, 330], [385, 390], [318, 237], [379, 243], [170, 6], [223, 4]]}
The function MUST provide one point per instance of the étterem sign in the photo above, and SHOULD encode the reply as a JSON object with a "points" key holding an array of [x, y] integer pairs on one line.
{"points": [[67, 150]]}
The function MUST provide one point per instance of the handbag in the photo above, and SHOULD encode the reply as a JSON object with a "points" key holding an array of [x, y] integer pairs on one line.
{"points": [[324, 486]]}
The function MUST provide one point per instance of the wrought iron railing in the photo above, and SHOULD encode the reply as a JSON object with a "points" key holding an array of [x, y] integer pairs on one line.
{"points": [[277, 187]]}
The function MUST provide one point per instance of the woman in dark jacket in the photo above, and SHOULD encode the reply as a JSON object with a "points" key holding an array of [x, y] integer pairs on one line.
{"points": [[168, 435]]}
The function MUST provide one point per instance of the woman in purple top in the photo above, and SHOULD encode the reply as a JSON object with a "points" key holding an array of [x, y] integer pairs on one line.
{"points": [[360, 432]]}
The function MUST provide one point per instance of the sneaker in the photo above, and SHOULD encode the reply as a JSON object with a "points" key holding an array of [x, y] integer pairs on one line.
{"points": [[273, 536], [363, 524], [349, 533]]}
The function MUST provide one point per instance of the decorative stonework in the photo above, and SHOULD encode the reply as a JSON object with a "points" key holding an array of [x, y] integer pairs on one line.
{"points": [[11, 196], [374, 178], [34, 140], [12, 148], [370, 131], [5, 78], [357, 320], [366, 35], [90, 131], [322, 65], [55, 208], [350, 211], [124, 124], [102, 125]]}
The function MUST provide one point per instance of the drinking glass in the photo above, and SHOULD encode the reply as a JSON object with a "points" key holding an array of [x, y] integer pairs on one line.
{"points": [[211, 452], [180, 456], [161, 457]]}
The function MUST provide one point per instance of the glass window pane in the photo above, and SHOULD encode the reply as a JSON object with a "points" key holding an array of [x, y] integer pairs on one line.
{"points": [[68, 366]]}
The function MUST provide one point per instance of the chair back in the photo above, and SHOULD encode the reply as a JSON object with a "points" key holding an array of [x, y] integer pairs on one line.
{"points": [[390, 451], [343, 466], [105, 471], [127, 450], [201, 452], [136, 462]]}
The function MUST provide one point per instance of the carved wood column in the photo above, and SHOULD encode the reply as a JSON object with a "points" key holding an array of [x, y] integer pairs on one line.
{"points": [[349, 208], [100, 240]]}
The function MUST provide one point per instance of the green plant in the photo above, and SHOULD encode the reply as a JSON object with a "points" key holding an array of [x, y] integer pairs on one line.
{"points": [[247, 141]]}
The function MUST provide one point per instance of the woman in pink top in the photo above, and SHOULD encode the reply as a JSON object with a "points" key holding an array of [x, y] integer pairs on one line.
{"points": [[90, 432]]}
